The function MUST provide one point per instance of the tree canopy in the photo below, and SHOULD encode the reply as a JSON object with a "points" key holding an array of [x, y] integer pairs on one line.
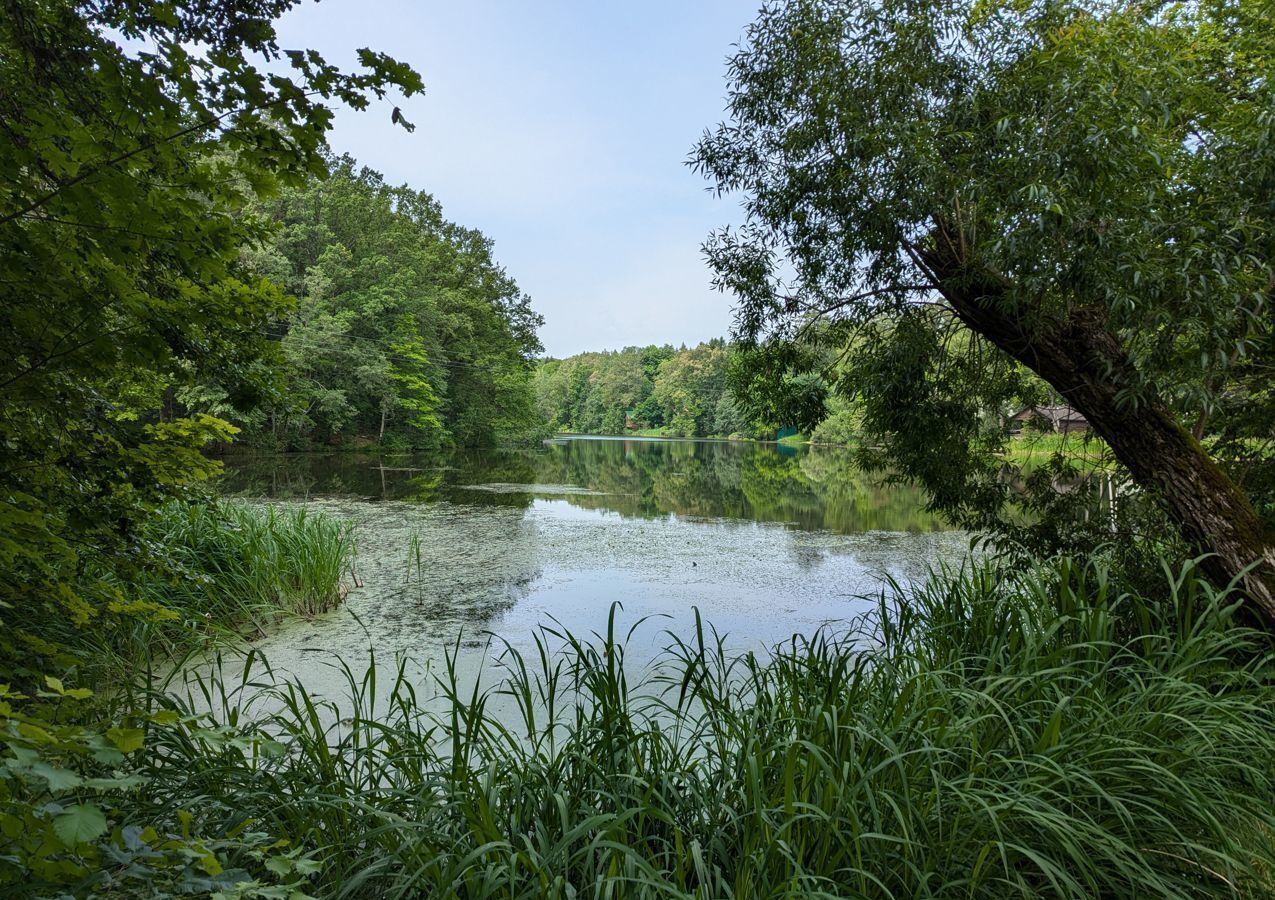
{"points": [[685, 392], [403, 326], [1081, 189], [135, 133]]}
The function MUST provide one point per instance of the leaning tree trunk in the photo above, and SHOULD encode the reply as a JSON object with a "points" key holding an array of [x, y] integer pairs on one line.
{"points": [[1082, 359]]}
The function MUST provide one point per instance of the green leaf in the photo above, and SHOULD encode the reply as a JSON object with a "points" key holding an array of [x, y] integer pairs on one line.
{"points": [[210, 864], [127, 739], [79, 824], [166, 717], [24, 756], [307, 866], [1053, 730], [56, 685], [122, 783], [59, 779], [108, 756]]}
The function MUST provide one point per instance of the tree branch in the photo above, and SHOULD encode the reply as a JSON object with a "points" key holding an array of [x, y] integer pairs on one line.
{"points": [[150, 145]]}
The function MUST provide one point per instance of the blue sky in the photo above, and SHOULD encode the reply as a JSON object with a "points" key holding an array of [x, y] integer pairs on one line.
{"points": [[560, 129]]}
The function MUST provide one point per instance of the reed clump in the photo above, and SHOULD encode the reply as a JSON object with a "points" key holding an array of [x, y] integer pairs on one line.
{"points": [[233, 563], [983, 735]]}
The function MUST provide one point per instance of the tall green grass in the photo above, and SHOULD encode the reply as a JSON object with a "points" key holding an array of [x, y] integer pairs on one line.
{"points": [[982, 736], [231, 567], [1034, 449]]}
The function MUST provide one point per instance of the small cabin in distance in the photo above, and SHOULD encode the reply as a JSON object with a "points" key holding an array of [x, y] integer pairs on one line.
{"points": [[1058, 419]]}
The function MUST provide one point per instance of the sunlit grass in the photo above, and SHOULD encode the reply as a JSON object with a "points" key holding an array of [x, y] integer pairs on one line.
{"points": [[1032, 449], [983, 736]]}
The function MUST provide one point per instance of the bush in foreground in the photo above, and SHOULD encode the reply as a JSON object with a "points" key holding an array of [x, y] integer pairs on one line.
{"points": [[70, 769]]}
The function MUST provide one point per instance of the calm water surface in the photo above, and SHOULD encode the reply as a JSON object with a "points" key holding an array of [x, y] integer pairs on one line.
{"points": [[482, 548]]}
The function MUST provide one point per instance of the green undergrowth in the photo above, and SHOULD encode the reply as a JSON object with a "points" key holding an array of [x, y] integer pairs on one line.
{"points": [[73, 760], [984, 735]]}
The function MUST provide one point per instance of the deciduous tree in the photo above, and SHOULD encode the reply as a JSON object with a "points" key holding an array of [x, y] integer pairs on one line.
{"points": [[133, 133], [1083, 187]]}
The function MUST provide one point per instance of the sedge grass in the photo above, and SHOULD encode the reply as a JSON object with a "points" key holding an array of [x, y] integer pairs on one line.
{"points": [[225, 570], [236, 561], [981, 736]]}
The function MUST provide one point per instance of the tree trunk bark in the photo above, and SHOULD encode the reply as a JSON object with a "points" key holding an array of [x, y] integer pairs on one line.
{"points": [[1082, 359]]}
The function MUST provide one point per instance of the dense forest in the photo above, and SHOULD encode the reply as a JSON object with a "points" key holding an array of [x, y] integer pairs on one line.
{"points": [[403, 330], [650, 390]]}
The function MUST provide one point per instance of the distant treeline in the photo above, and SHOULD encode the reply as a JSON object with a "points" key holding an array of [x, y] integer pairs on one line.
{"points": [[715, 389], [402, 329], [680, 392]]}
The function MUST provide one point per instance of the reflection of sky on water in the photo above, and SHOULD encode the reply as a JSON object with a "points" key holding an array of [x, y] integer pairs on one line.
{"points": [[500, 562]]}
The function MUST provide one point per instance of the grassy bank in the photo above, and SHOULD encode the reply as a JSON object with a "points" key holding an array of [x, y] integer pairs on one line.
{"points": [[1082, 450], [989, 736]]}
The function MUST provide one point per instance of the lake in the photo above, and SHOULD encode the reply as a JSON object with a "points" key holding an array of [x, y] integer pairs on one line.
{"points": [[483, 547]]}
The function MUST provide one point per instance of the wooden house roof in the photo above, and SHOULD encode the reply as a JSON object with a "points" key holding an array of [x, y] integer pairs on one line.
{"points": [[1052, 414]]}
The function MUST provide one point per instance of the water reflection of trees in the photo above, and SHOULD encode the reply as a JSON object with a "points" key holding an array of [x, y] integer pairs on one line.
{"points": [[815, 488], [299, 476]]}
